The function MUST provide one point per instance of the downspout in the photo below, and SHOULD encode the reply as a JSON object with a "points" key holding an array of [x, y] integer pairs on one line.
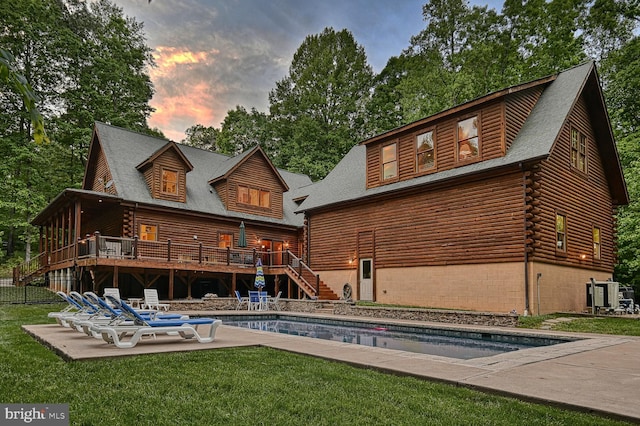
{"points": [[524, 234]]}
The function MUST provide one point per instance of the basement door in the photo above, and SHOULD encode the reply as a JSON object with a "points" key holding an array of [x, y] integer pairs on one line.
{"points": [[366, 279]]}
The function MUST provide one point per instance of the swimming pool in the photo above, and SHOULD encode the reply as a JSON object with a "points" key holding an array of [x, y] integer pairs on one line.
{"points": [[447, 342]]}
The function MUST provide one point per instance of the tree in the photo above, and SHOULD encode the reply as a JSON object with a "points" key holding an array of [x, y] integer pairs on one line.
{"points": [[387, 108], [10, 75], [463, 53], [546, 35], [83, 64], [318, 110], [202, 137], [109, 79], [242, 130]]}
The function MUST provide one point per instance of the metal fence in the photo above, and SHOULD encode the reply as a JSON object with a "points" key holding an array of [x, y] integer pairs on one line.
{"points": [[35, 292]]}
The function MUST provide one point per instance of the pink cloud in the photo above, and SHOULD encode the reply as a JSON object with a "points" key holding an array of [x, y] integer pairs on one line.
{"points": [[184, 96]]}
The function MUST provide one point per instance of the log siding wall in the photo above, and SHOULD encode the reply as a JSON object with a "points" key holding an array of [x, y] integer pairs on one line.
{"points": [[491, 141], [255, 173], [585, 199], [181, 228], [171, 161], [102, 175], [469, 222]]}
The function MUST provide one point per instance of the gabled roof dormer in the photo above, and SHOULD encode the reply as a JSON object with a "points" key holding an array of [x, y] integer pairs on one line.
{"points": [[250, 183], [165, 173], [97, 174]]}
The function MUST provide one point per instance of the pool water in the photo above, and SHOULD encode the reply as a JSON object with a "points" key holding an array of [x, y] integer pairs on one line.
{"points": [[446, 343]]}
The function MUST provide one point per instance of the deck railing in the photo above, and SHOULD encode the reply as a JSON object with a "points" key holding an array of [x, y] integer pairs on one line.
{"points": [[99, 246], [22, 272]]}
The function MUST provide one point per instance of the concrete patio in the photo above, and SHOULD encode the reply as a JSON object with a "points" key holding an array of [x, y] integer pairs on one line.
{"points": [[600, 373]]}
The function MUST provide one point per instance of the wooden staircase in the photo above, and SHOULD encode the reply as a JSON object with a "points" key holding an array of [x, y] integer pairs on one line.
{"points": [[309, 282]]}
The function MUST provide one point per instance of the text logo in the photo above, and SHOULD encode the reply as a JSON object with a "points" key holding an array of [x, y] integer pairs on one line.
{"points": [[34, 414]]}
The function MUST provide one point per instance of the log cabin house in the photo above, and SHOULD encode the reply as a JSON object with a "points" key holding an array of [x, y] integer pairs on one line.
{"points": [[153, 213], [503, 203]]}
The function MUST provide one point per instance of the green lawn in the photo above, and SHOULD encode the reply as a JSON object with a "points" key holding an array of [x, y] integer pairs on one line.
{"points": [[613, 324], [243, 386]]}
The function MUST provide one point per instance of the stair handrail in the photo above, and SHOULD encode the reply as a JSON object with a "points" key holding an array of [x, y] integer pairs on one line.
{"points": [[299, 267]]}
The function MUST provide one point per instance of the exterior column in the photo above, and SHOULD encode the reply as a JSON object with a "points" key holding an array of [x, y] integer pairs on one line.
{"points": [[56, 280], [69, 279], [115, 276], [171, 280]]}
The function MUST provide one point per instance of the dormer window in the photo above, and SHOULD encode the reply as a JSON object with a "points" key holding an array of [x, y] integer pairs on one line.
{"points": [[169, 182], [425, 151], [389, 162], [254, 197], [467, 137]]}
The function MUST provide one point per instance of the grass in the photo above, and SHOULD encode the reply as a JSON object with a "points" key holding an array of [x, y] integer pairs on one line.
{"points": [[619, 325], [241, 386]]}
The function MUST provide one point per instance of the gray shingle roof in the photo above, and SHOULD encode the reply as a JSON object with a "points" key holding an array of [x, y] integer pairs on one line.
{"points": [[125, 149], [347, 181]]}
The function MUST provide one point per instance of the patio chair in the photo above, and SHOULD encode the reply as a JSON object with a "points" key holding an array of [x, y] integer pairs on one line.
{"points": [[127, 336], [72, 309], [254, 301], [104, 249], [264, 300], [111, 291], [274, 301], [151, 300], [113, 316], [242, 301]]}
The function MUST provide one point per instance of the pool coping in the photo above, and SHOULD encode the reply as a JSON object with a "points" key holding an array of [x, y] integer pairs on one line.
{"points": [[598, 373]]}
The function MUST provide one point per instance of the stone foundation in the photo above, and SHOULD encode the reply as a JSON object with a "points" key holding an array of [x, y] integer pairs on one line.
{"points": [[350, 309]]}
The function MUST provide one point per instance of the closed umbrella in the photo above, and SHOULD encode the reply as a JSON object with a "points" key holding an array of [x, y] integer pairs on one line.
{"points": [[259, 282], [242, 237]]}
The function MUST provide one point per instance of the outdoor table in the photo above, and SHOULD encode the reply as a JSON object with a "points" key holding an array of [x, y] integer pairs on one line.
{"points": [[135, 302]]}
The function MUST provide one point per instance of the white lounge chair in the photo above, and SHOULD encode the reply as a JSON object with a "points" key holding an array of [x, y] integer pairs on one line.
{"points": [[151, 300], [111, 291], [127, 336], [273, 302], [74, 309]]}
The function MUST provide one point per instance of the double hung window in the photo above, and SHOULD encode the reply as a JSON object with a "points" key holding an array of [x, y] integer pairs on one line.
{"points": [[389, 161], [425, 151], [578, 150], [148, 232], [169, 181], [467, 139], [561, 233]]}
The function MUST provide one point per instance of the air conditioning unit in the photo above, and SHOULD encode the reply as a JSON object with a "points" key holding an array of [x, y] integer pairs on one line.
{"points": [[605, 294]]}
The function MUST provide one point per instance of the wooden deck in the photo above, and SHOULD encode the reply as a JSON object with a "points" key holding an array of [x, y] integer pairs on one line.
{"points": [[106, 258]]}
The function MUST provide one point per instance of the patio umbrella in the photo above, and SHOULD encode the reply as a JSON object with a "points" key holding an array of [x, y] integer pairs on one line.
{"points": [[242, 237], [259, 283]]}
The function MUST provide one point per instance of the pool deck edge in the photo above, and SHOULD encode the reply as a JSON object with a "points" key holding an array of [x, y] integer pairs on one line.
{"points": [[598, 374]]}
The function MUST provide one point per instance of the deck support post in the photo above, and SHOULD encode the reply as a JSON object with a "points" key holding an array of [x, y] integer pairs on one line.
{"points": [[171, 281], [115, 276]]}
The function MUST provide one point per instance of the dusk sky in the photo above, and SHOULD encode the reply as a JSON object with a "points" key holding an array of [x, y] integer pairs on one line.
{"points": [[213, 55]]}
